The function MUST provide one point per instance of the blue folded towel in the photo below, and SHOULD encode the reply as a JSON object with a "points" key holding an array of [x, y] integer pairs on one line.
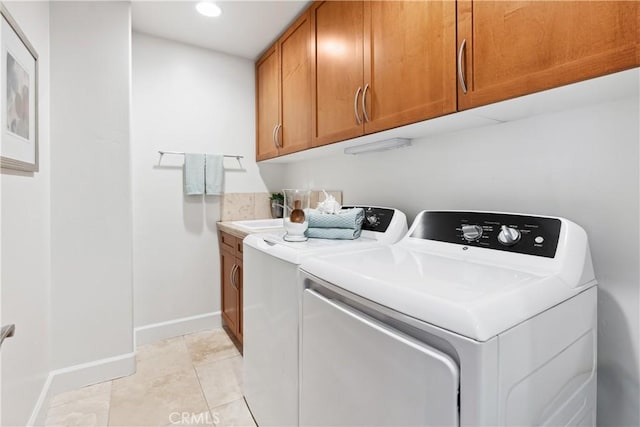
{"points": [[214, 174], [193, 171], [333, 233], [348, 218]]}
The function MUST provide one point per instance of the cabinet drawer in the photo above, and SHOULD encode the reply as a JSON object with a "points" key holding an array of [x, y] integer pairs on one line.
{"points": [[229, 242]]}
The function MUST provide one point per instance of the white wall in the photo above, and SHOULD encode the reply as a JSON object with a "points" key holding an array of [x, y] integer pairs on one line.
{"points": [[581, 164], [194, 100], [91, 219], [26, 260]]}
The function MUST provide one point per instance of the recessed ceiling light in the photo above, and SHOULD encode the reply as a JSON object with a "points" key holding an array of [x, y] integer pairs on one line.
{"points": [[208, 9]]}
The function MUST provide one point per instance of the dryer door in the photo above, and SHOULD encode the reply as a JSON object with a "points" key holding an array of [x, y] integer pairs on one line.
{"points": [[357, 371]]}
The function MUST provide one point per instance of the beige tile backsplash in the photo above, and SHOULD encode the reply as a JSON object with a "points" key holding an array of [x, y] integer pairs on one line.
{"points": [[241, 206], [237, 206], [262, 206]]}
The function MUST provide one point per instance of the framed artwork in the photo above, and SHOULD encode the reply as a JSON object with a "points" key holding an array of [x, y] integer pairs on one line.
{"points": [[18, 97]]}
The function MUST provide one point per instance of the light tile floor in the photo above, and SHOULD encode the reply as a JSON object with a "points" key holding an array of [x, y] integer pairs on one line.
{"points": [[194, 380]]}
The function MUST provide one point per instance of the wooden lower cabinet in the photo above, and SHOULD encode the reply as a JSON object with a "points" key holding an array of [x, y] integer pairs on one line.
{"points": [[231, 284]]}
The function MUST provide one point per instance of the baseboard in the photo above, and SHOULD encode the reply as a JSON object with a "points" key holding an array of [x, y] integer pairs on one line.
{"points": [[98, 371], [77, 376], [173, 328]]}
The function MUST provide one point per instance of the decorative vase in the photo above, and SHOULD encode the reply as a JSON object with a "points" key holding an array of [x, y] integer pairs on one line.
{"points": [[296, 207]]}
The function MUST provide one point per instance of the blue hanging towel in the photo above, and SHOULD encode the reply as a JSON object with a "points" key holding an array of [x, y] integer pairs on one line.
{"points": [[214, 174], [193, 170]]}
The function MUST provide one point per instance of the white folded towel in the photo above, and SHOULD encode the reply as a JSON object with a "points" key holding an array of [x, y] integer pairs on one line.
{"points": [[214, 174]]}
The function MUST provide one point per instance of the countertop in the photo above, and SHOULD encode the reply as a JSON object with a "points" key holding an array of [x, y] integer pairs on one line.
{"points": [[240, 232]]}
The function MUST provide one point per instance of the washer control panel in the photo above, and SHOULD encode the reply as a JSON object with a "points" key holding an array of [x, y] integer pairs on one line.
{"points": [[522, 234]]}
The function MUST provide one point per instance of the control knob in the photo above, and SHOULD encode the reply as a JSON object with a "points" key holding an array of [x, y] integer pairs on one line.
{"points": [[471, 232], [508, 236]]}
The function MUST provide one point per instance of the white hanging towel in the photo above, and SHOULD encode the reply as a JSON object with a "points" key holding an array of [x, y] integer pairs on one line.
{"points": [[193, 170], [214, 174]]}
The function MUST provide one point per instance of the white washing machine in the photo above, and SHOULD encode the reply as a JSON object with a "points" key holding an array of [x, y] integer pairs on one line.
{"points": [[271, 310], [473, 318]]}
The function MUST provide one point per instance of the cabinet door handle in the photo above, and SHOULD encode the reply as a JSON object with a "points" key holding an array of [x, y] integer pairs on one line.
{"points": [[277, 133], [234, 272], [232, 276], [355, 105], [364, 102], [273, 135], [460, 72]]}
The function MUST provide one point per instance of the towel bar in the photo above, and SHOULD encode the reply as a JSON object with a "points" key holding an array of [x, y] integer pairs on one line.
{"points": [[181, 153]]}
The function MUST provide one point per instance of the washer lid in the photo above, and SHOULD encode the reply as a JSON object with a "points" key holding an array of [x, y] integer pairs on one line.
{"points": [[294, 252], [382, 226], [473, 299]]}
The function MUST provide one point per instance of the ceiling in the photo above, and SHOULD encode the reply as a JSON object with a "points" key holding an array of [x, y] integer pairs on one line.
{"points": [[244, 29]]}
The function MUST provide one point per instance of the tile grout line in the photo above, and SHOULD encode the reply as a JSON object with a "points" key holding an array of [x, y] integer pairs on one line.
{"points": [[109, 410], [195, 371], [242, 398]]}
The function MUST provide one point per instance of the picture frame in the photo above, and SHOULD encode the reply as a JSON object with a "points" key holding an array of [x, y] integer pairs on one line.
{"points": [[18, 97]]}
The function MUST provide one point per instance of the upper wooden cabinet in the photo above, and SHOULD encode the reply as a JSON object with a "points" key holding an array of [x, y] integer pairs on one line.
{"points": [[380, 64], [337, 70], [409, 68], [513, 48], [295, 82], [267, 104], [349, 68], [283, 93]]}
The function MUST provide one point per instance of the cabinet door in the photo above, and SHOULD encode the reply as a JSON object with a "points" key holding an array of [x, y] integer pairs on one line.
{"points": [[295, 83], [337, 70], [409, 62], [267, 104], [513, 48], [230, 293], [238, 278]]}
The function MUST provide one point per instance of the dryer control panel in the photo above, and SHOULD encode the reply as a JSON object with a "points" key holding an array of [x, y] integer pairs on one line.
{"points": [[530, 235]]}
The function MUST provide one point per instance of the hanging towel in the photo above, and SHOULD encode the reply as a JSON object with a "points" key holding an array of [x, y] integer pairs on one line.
{"points": [[348, 219], [193, 170], [214, 174]]}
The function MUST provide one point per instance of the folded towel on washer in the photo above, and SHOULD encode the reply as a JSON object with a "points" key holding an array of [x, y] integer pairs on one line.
{"points": [[333, 233], [348, 219], [193, 170]]}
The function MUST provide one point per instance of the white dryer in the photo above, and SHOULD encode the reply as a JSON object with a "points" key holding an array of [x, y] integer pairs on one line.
{"points": [[474, 318], [271, 310]]}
